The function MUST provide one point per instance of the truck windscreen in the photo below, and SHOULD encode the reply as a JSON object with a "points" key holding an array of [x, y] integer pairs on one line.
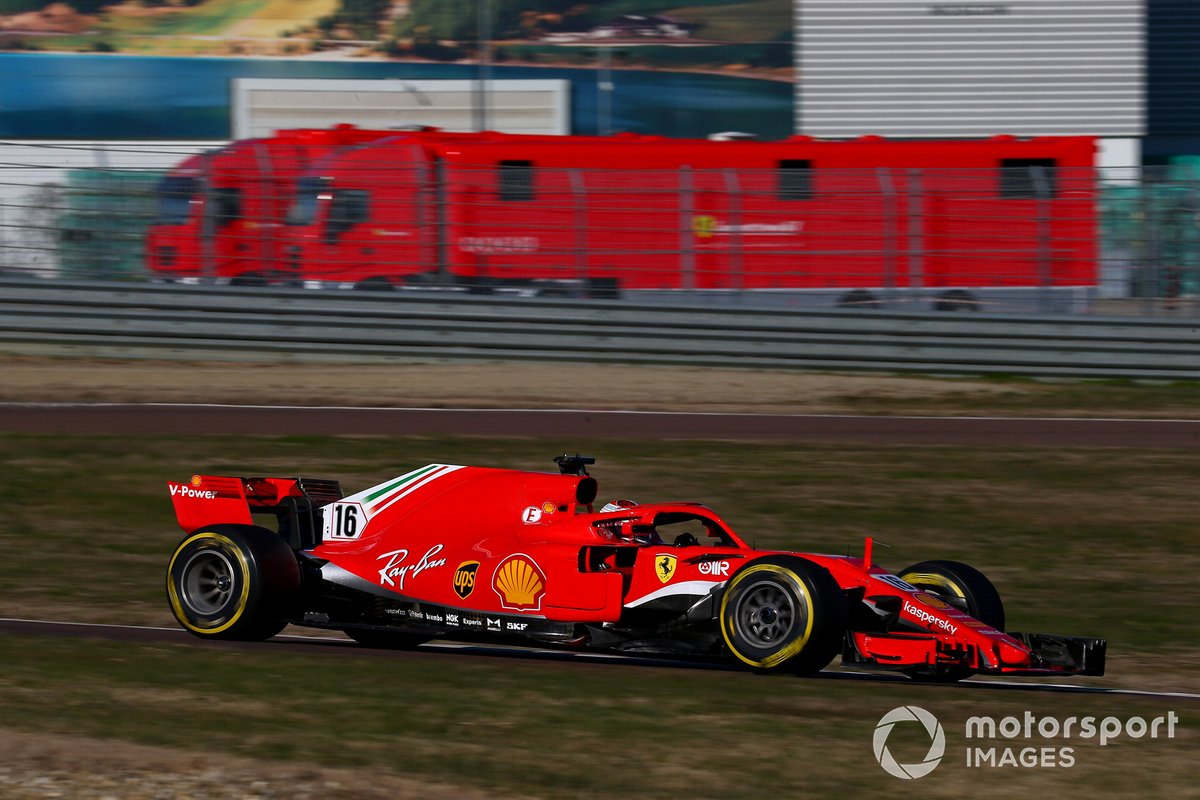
{"points": [[303, 210], [175, 194]]}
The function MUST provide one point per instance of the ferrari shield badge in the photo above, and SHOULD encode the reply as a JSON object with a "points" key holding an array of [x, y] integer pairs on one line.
{"points": [[664, 566]]}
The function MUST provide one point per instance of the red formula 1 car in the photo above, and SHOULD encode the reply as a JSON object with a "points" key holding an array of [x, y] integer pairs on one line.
{"points": [[502, 555]]}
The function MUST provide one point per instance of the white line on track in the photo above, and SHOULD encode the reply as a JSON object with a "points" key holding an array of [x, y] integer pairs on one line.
{"points": [[1080, 688], [608, 412]]}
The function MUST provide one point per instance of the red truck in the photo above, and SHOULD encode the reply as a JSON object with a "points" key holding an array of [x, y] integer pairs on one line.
{"points": [[220, 214], [948, 224]]}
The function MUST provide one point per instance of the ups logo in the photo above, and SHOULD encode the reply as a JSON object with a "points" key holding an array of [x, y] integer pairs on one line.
{"points": [[464, 578]]}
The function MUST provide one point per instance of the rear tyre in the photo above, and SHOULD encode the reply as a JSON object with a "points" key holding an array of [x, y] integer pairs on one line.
{"points": [[963, 587], [386, 640], [783, 613], [232, 582]]}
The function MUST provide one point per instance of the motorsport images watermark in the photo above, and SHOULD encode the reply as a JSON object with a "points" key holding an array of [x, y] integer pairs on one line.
{"points": [[981, 734]]}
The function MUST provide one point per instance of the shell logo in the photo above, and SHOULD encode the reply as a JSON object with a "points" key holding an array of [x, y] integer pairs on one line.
{"points": [[520, 583], [931, 600], [196, 480]]}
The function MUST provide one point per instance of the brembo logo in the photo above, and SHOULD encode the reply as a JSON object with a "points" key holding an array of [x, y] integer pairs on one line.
{"points": [[187, 491], [929, 619]]}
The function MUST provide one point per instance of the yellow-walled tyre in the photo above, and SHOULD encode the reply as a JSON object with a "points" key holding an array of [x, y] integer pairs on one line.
{"points": [[232, 582], [963, 587], [783, 613]]}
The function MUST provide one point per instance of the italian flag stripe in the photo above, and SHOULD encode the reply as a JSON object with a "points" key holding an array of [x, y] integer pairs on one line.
{"points": [[423, 478], [403, 479]]}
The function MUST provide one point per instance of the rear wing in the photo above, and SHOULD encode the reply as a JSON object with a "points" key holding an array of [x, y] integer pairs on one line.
{"points": [[217, 500]]}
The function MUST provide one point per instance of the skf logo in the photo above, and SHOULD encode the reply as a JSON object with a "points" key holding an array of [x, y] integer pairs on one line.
{"points": [[464, 578], [664, 566], [520, 583]]}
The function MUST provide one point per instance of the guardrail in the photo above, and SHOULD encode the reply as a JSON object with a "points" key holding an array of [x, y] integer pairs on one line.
{"points": [[201, 322]]}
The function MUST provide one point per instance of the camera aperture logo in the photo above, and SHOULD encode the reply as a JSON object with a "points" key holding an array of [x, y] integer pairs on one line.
{"points": [[937, 742]]}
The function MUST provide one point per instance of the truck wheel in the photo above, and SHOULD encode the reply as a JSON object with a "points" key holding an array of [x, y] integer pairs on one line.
{"points": [[232, 582], [956, 300], [249, 279], [376, 284], [783, 613], [967, 589], [385, 640], [603, 289], [859, 298]]}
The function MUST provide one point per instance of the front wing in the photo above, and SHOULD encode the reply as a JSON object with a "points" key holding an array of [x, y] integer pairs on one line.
{"points": [[1043, 653]]}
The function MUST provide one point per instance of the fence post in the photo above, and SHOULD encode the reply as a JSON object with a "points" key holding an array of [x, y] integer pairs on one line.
{"points": [[442, 225], [916, 233], [891, 233], [687, 212], [208, 224], [737, 275], [1045, 265], [579, 222], [265, 232]]}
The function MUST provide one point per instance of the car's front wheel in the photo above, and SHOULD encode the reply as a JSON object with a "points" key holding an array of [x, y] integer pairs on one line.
{"points": [[963, 587], [232, 582], [783, 613]]}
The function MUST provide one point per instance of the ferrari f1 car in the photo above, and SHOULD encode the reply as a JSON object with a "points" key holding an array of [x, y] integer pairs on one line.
{"points": [[481, 554]]}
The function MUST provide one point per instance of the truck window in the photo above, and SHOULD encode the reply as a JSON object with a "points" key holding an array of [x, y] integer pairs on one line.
{"points": [[516, 180], [795, 179], [1027, 178], [175, 193], [226, 205], [349, 208], [303, 210]]}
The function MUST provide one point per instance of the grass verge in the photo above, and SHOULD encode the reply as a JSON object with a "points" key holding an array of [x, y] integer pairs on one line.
{"points": [[554, 730]]}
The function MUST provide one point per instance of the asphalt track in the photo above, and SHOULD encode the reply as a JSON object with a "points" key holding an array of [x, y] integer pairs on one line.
{"points": [[199, 419], [439, 651]]}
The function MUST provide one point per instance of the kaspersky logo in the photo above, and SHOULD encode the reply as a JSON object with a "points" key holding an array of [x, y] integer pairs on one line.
{"points": [[937, 742]]}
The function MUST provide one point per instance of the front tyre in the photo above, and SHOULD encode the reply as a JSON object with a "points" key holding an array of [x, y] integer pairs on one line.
{"points": [[963, 587], [232, 582], [783, 613]]}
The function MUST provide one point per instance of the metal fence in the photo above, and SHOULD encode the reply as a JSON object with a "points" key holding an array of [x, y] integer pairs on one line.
{"points": [[280, 324], [1024, 239]]}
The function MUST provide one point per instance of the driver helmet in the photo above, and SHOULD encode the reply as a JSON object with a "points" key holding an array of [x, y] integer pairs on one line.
{"points": [[617, 505]]}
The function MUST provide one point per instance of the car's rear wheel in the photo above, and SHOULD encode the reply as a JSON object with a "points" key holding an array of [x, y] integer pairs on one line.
{"points": [[783, 613], [963, 587], [232, 582]]}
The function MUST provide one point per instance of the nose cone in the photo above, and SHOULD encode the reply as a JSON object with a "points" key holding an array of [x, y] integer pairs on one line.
{"points": [[1013, 654]]}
